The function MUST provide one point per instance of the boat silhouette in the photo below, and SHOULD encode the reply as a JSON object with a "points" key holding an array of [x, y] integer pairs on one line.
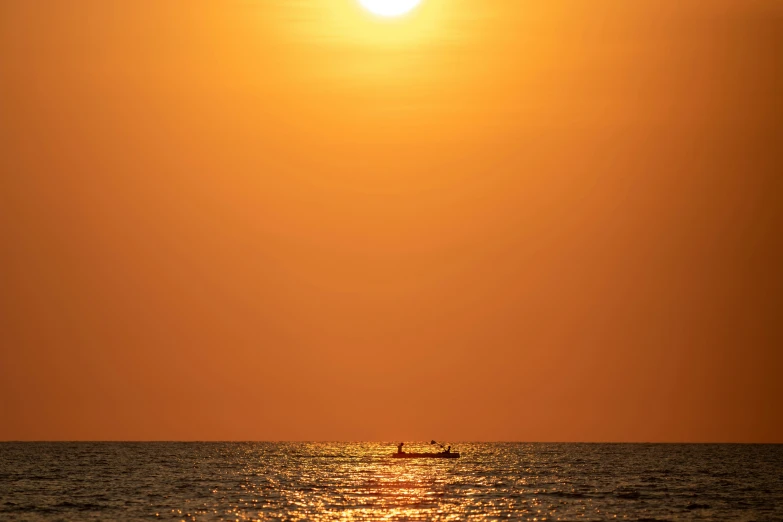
{"points": [[445, 454], [440, 455]]}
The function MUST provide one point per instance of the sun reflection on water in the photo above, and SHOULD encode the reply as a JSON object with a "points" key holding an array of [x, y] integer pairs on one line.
{"points": [[322, 481]]}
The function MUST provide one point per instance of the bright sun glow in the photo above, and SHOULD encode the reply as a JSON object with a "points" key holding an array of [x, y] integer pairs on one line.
{"points": [[389, 7]]}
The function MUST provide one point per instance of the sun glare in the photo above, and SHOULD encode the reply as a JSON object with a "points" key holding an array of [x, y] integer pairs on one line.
{"points": [[389, 7]]}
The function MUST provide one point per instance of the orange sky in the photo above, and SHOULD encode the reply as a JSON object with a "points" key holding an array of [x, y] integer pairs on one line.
{"points": [[491, 220]]}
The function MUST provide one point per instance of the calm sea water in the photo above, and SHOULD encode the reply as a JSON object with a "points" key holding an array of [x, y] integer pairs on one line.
{"points": [[359, 481]]}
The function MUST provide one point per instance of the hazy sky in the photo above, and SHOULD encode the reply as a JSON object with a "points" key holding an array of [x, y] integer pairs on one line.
{"points": [[490, 220]]}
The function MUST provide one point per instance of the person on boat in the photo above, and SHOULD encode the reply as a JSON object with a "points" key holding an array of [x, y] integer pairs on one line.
{"points": [[399, 447], [448, 450]]}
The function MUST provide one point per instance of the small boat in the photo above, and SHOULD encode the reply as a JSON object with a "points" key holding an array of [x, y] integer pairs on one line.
{"points": [[445, 454], [441, 455]]}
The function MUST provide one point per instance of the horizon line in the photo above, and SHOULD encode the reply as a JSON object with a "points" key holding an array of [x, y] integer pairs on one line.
{"points": [[391, 441]]}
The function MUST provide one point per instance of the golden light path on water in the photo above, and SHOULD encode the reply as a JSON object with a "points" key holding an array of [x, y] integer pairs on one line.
{"points": [[322, 481]]}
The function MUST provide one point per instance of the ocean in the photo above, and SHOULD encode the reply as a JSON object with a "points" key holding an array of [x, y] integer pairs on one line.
{"points": [[360, 481]]}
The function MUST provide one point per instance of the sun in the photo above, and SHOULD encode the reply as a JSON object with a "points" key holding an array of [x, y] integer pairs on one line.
{"points": [[389, 7]]}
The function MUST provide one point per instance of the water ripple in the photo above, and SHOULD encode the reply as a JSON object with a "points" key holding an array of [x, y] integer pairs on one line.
{"points": [[359, 481]]}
